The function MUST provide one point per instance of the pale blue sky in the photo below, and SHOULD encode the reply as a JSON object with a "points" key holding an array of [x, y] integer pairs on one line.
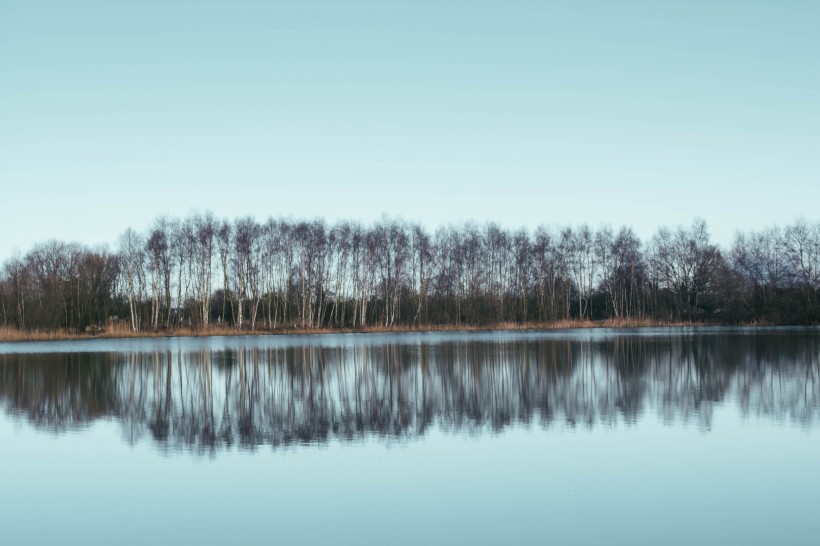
{"points": [[635, 112]]}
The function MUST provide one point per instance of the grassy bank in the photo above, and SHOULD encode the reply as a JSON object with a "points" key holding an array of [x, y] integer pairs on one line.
{"points": [[8, 334]]}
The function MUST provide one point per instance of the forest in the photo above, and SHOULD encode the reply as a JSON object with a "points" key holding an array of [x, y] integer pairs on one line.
{"points": [[205, 273]]}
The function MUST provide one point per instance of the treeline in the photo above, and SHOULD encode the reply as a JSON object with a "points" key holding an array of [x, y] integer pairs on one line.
{"points": [[200, 271]]}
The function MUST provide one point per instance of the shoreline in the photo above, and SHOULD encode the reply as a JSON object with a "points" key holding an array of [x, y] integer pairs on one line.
{"points": [[11, 335]]}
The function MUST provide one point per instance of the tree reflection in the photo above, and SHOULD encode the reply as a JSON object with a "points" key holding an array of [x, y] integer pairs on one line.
{"points": [[205, 401]]}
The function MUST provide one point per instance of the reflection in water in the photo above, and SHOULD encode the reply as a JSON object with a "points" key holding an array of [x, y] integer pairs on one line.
{"points": [[209, 400]]}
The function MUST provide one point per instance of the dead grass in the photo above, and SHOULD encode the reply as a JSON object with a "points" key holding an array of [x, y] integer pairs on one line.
{"points": [[648, 323], [13, 334], [9, 334]]}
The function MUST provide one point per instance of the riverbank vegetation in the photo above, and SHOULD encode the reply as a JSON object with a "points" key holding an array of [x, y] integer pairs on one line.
{"points": [[204, 276], [119, 329]]}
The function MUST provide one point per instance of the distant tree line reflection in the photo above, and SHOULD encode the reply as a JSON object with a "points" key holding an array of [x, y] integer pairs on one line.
{"points": [[205, 401]]}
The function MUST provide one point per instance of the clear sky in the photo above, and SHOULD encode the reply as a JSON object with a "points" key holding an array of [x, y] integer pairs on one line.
{"points": [[523, 112]]}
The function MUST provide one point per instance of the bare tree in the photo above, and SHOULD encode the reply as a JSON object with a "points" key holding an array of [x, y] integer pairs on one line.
{"points": [[224, 233], [204, 232], [158, 252]]}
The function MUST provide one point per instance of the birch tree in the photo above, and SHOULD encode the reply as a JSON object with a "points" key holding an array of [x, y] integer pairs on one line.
{"points": [[204, 229]]}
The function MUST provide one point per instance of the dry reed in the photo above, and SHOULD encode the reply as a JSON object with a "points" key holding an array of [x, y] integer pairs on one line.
{"points": [[10, 334]]}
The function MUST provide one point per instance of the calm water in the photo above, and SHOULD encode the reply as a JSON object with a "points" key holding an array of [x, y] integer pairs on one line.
{"points": [[666, 436]]}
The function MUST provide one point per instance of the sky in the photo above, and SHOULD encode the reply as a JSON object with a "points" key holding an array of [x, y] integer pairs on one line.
{"points": [[643, 113]]}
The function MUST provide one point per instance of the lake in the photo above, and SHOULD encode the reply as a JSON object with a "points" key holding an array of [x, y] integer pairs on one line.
{"points": [[650, 436]]}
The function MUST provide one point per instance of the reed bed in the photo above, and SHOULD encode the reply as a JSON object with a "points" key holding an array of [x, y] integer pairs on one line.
{"points": [[8, 333], [12, 334]]}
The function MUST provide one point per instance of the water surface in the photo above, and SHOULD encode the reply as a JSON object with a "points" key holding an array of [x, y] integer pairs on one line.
{"points": [[654, 436]]}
